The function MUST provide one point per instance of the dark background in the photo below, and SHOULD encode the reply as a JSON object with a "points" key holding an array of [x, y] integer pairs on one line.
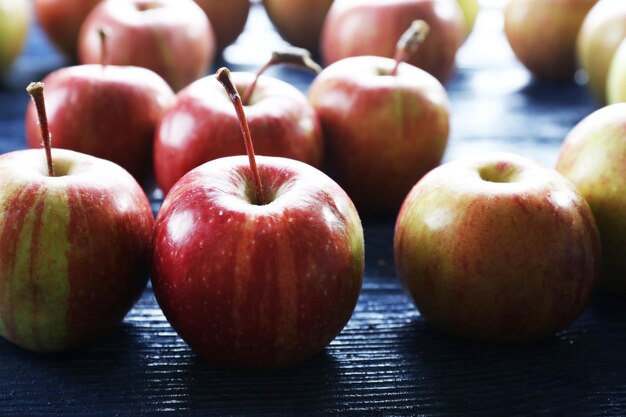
{"points": [[387, 360]]}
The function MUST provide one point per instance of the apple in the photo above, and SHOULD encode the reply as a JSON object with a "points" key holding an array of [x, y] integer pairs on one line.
{"points": [[201, 124], [370, 27], [592, 157], [299, 22], [257, 261], [74, 246], [171, 37], [106, 111], [227, 17], [470, 9], [616, 77], [385, 124], [14, 22], [601, 33], [542, 34], [497, 248], [61, 21]]}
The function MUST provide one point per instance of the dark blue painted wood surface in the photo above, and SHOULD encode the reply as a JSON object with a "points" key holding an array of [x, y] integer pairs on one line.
{"points": [[387, 361]]}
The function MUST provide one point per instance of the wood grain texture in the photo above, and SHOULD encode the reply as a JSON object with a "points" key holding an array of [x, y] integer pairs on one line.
{"points": [[387, 361]]}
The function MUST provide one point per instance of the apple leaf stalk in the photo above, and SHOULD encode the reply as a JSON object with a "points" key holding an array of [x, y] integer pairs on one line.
{"points": [[35, 89], [223, 76], [297, 57], [409, 42]]}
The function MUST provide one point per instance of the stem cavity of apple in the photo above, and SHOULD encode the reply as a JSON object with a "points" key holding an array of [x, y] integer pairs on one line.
{"points": [[35, 89], [297, 57], [223, 76], [409, 42]]}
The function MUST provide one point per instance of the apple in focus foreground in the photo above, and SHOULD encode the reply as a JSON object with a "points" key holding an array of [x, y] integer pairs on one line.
{"points": [[171, 37], [366, 27], [600, 35], [497, 248], [227, 17], [106, 111], [593, 157], [257, 262], [14, 21], [74, 245], [543, 33]]}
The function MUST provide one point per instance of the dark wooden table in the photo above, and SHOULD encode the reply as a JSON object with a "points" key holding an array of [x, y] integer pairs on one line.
{"points": [[387, 361]]}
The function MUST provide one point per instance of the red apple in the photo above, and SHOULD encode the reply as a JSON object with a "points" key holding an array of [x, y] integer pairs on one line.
{"points": [[383, 131], [74, 247], [106, 111], [61, 21], [14, 22], [497, 248], [542, 34], [593, 157], [257, 262], [299, 22], [201, 124], [370, 27], [601, 33], [171, 37], [227, 17]]}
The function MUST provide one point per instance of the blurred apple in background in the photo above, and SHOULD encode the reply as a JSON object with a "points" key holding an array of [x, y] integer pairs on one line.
{"points": [[593, 157], [368, 27], [470, 9], [542, 34], [171, 37], [15, 18], [61, 21], [602, 31], [299, 22], [616, 77], [227, 17], [497, 248]]}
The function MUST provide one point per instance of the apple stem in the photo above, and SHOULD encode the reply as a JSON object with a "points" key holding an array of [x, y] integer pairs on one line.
{"points": [[35, 90], [291, 56], [104, 55], [409, 42], [223, 76]]}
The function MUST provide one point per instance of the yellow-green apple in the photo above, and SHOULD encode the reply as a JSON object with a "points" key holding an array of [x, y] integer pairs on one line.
{"points": [[15, 17], [201, 124], [593, 157], [171, 37], [497, 248], [470, 9], [257, 261], [601, 33], [385, 125], [61, 21], [227, 17], [299, 22], [616, 77], [74, 247], [370, 27], [542, 34], [106, 111]]}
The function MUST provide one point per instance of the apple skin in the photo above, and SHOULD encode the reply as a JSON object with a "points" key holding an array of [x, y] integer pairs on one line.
{"points": [[542, 34], [172, 38], [110, 112], [15, 17], [382, 132], [202, 125], [470, 9], [257, 286], [227, 17], [592, 157], [600, 35], [616, 78], [299, 22], [497, 248], [61, 21], [74, 248], [370, 27]]}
